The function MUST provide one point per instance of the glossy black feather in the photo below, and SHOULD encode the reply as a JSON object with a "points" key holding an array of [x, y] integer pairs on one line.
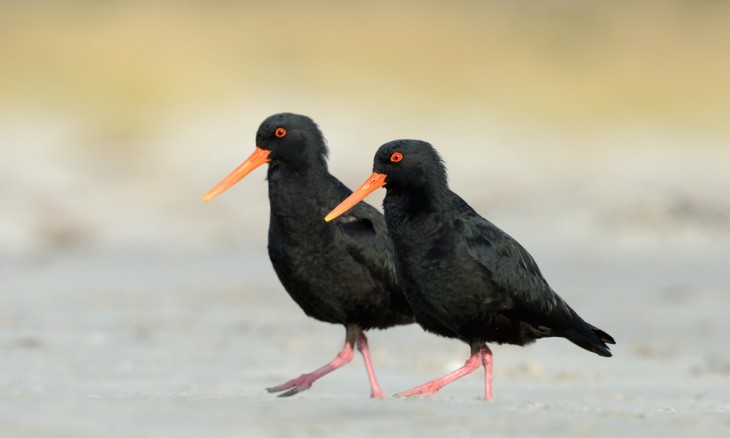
{"points": [[464, 277], [341, 272]]}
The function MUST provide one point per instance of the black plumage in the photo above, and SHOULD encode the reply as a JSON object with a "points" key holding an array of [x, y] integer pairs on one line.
{"points": [[340, 273], [464, 277]]}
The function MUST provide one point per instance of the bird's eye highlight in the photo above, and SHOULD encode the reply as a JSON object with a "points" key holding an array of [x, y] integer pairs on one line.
{"points": [[280, 132], [396, 157]]}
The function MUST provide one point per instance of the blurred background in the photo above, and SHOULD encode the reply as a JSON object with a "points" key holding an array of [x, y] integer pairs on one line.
{"points": [[115, 116], [596, 133]]}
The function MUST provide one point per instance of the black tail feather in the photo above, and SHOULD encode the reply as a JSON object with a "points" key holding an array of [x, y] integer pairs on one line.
{"points": [[594, 341], [605, 337]]}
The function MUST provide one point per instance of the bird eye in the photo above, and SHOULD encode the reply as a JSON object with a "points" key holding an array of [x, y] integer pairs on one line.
{"points": [[396, 157], [280, 132]]}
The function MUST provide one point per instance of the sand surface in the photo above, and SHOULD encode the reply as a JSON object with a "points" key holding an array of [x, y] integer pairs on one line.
{"points": [[134, 310]]}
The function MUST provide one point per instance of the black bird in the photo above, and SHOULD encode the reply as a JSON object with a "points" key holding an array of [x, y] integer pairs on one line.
{"points": [[341, 273], [464, 277]]}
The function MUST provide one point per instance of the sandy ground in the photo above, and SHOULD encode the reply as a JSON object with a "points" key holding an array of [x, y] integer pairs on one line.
{"points": [[130, 309]]}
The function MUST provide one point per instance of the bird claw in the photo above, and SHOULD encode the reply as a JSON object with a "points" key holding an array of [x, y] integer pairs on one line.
{"points": [[425, 390], [378, 394], [293, 386], [408, 394], [289, 393]]}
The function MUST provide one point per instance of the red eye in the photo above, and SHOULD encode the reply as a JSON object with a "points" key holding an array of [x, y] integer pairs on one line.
{"points": [[280, 132], [396, 157]]}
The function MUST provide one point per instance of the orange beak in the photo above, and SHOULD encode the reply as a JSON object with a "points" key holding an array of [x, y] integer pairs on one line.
{"points": [[374, 182], [257, 158]]}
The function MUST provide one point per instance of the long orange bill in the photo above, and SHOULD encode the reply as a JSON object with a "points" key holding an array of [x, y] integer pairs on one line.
{"points": [[257, 158], [374, 182]]}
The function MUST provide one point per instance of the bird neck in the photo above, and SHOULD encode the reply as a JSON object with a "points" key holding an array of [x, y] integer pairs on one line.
{"points": [[295, 197], [408, 209], [283, 175]]}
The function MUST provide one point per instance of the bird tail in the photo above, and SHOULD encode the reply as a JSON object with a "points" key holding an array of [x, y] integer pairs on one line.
{"points": [[605, 337], [593, 340]]}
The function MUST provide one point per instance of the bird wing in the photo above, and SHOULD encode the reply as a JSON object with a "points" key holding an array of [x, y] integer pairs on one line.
{"points": [[366, 237], [523, 291], [365, 234], [509, 267]]}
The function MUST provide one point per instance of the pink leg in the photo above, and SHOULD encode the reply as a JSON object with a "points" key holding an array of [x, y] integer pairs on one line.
{"points": [[433, 386], [486, 354], [304, 382], [362, 346]]}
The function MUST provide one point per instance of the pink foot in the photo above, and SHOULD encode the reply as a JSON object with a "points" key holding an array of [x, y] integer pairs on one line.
{"points": [[362, 346], [433, 386], [427, 389], [304, 382], [299, 384]]}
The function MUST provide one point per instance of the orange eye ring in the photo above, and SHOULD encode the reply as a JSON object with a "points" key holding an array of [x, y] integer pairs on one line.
{"points": [[280, 132], [396, 157]]}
